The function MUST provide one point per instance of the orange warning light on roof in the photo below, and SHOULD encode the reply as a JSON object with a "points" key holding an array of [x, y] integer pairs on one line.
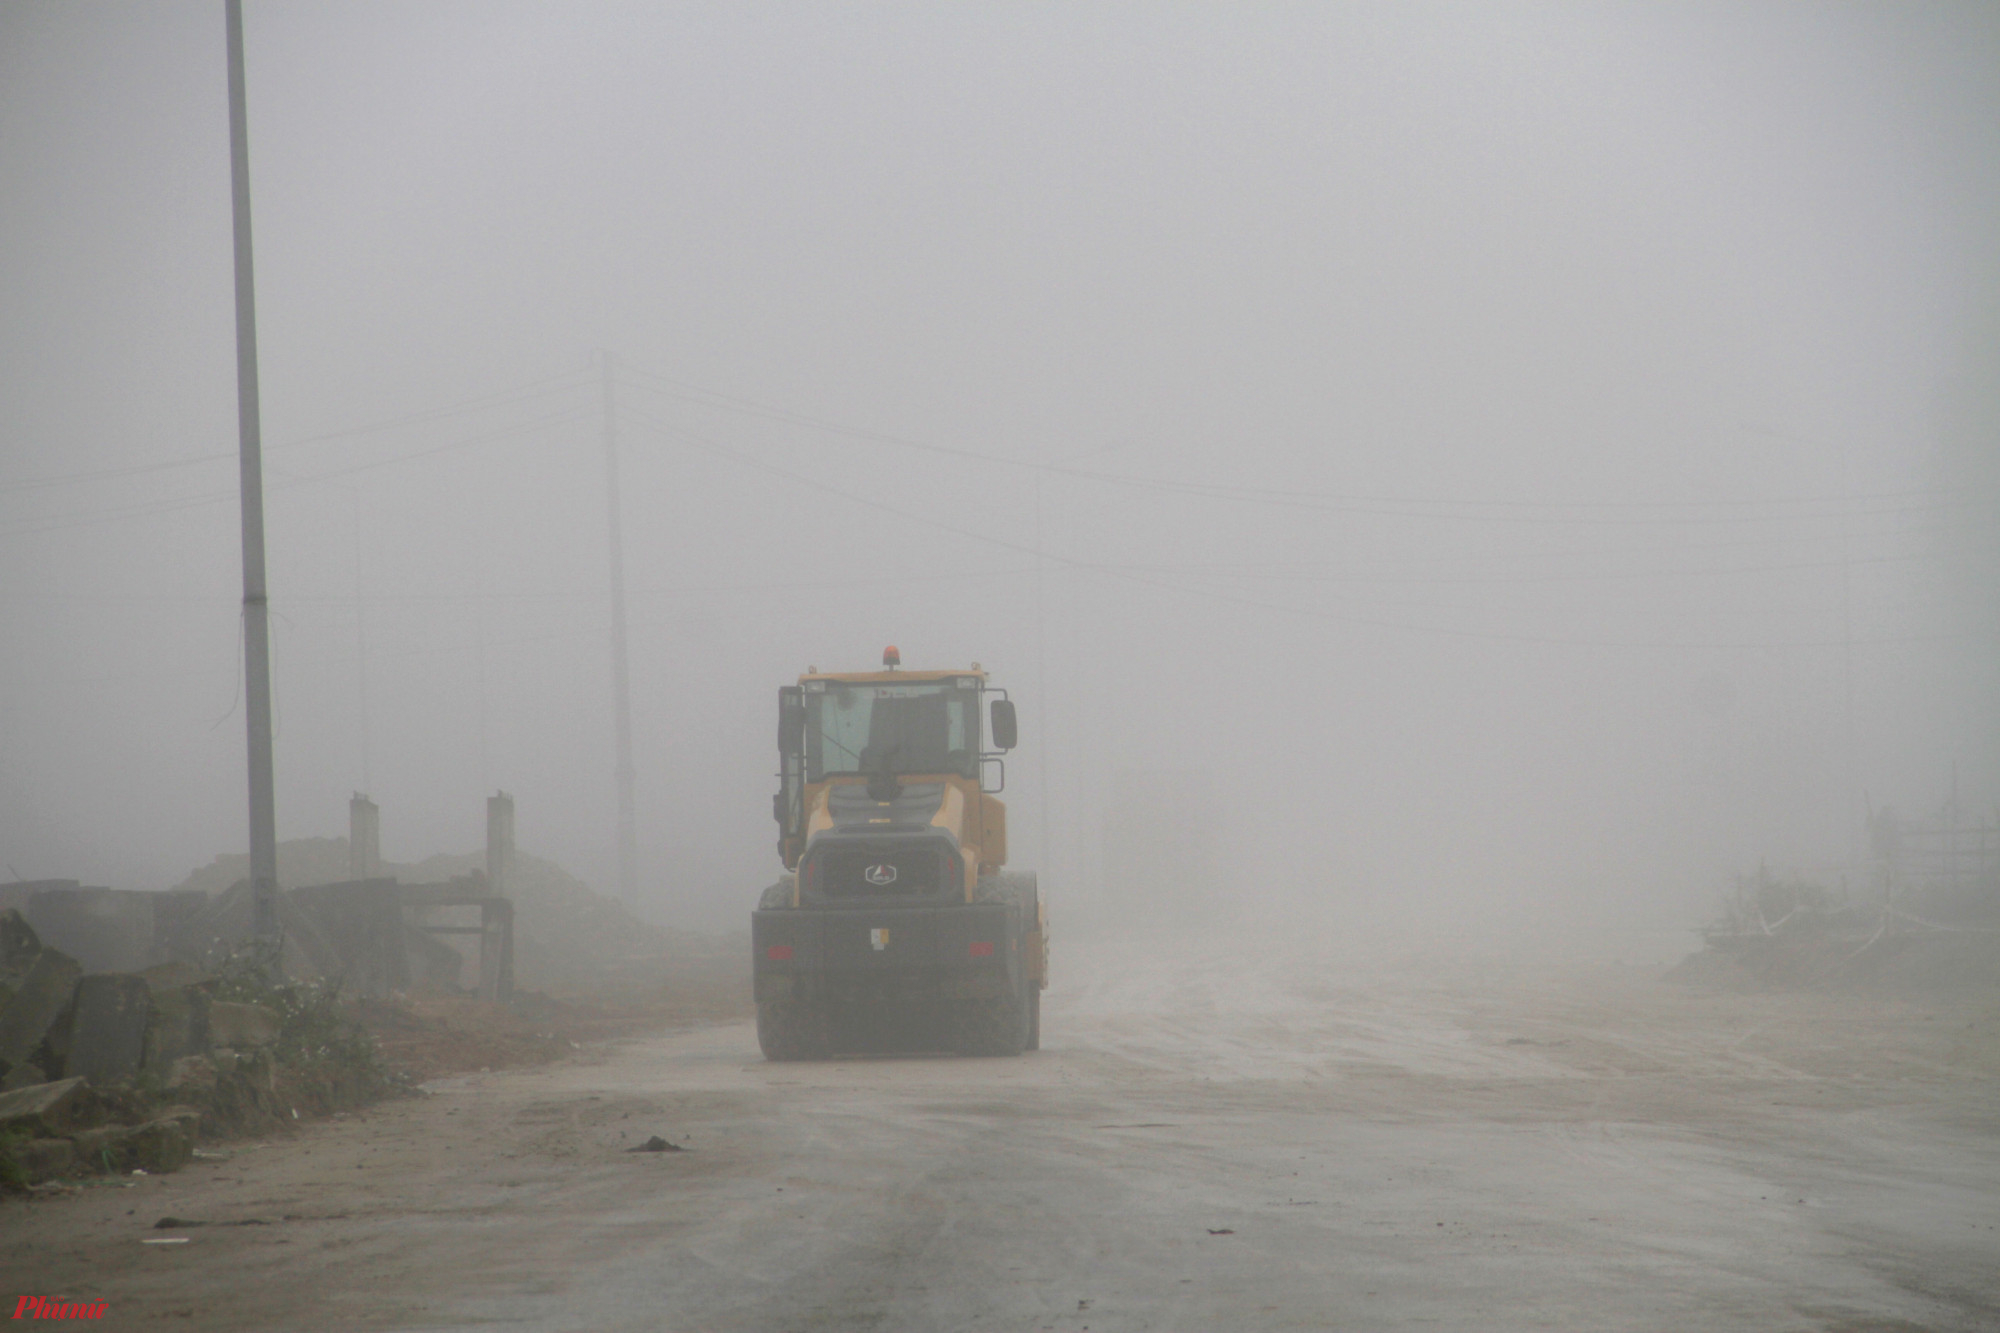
{"points": [[891, 658]]}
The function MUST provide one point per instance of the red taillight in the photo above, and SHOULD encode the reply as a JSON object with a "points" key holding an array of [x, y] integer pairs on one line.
{"points": [[782, 953], [982, 948]]}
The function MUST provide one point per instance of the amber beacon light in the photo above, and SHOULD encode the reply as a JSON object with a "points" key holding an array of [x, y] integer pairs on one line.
{"points": [[891, 658]]}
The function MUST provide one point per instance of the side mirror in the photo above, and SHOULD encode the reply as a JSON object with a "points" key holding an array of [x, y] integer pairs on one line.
{"points": [[1005, 730], [791, 728]]}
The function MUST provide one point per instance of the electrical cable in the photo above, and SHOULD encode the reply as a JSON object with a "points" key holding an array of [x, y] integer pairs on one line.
{"points": [[1321, 501], [709, 446], [92, 518], [520, 393]]}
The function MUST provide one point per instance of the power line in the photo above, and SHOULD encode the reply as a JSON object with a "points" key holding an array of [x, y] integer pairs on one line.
{"points": [[737, 589], [709, 446], [518, 394], [1411, 506], [1620, 552], [146, 509]]}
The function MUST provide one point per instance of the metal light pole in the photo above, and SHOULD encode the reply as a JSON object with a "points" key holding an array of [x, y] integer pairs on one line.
{"points": [[256, 603]]}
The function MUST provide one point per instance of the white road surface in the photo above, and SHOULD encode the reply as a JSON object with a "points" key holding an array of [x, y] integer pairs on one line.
{"points": [[1214, 1138]]}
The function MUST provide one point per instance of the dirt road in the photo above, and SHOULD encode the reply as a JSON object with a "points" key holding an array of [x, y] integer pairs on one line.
{"points": [[1216, 1140]]}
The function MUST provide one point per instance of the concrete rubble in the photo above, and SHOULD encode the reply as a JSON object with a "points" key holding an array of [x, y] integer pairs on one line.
{"points": [[124, 1071], [33, 1008], [242, 1025], [110, 1015], [175, 1021], [371, 936], [47, 1109]]}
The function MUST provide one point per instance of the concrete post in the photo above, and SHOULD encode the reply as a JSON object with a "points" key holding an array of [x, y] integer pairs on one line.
{"points": [[621, 672], [496, 962], [499, 843], [364, 838], [250, 465]]}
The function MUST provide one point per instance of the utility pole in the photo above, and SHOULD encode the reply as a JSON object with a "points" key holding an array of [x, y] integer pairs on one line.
{"points": [[256, 601], [1042, 679], [361, 645], [621, 673]]}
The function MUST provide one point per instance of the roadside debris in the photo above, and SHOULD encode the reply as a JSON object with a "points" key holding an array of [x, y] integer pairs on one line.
{"points": [[1922, 926], [121, 1073], [134, 1025], [657, 1144]]}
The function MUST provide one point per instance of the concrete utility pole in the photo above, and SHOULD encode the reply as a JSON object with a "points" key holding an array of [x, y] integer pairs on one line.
{"points": [[1042, 682], [256, 602], [364, 838], [499, 844], [621, 672]]}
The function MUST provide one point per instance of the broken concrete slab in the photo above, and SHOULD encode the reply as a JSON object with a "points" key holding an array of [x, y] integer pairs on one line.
{"points": [[173, 912], [55, 1044], [188, 1117], [180, 1027], [107, 930], [254, 1067], [164, 1143], [193, 1076], [157, 1146], [241, 1025], [41, 1000], [17, 894], [237, 1091], [108, 1035], [43, 1159], [47, 1109], [101, 1149], [27, 1074], [19, 947], [172, 975]]}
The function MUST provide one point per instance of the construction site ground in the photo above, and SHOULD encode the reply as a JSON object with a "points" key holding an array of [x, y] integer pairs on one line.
{"points": [[422, 1037], [1215, 1136]]}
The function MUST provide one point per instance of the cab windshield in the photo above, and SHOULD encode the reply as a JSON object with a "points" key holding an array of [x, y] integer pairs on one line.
{"points": [[873, 727]]}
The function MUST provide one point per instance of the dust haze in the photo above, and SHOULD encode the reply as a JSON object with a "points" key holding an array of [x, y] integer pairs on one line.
{"points": [[1452, 472]]}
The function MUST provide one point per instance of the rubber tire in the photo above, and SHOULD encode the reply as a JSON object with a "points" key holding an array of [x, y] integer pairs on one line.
{"points": [[992, 1027], [1025, 889], [1010, 1026], [787, 1032]]}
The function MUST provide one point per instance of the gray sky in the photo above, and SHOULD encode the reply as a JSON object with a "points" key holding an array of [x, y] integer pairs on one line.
{"points": [[1483, 454]]}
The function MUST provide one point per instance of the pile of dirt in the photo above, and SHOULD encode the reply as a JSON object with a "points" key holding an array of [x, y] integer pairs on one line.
{"points": [[421, 1038], [569, 940]]}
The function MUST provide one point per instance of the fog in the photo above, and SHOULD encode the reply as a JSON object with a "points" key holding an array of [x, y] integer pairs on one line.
{"points": [[1482, 466]]}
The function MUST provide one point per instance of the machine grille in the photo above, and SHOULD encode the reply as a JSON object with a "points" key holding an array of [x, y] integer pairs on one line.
{"points": [[879, 871]]}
